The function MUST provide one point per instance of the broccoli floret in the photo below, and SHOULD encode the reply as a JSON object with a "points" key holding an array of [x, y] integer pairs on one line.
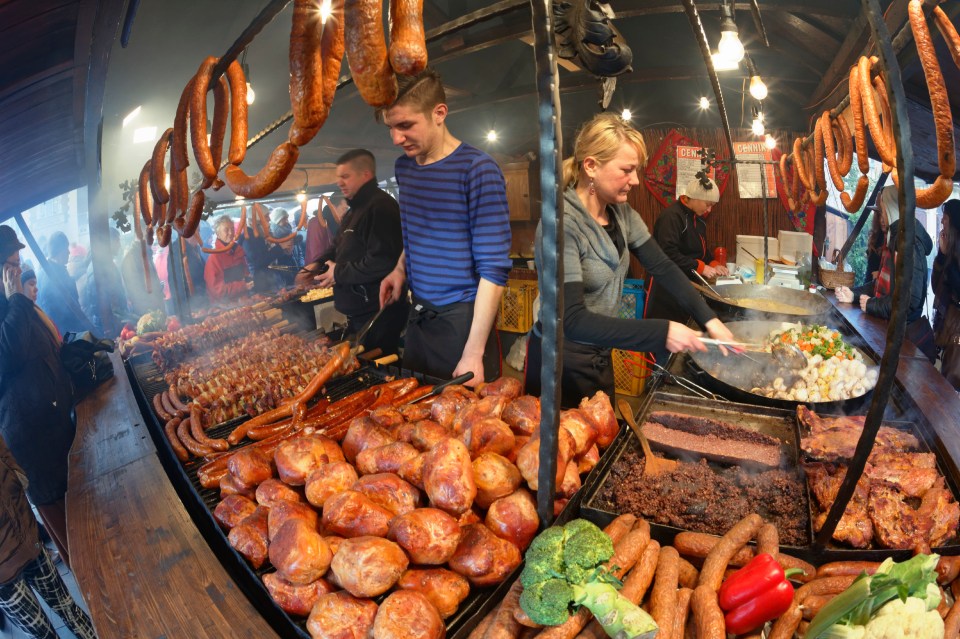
{"points": [[564, 568], [544, 558], [586, 548], [547, 602]]}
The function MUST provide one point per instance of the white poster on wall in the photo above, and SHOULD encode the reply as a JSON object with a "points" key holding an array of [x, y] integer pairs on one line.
{"points": [[748, 175], [688, 164]]}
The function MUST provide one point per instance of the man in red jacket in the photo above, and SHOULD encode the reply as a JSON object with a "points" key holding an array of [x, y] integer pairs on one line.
{"points": [[226, 272]]}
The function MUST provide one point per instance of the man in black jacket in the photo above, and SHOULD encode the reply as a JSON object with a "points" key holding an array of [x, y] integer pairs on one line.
{"points": [[365, 249]]}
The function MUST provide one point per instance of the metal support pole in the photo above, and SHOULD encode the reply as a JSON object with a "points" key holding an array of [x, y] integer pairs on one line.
{"points": [[176, 282], [904, 271], [766, 220], [551, 253], [694, 17]]}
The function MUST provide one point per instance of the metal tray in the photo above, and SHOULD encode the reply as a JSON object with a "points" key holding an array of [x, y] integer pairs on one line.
{"points": [[776, 423], [201, 501], [836, 552]]}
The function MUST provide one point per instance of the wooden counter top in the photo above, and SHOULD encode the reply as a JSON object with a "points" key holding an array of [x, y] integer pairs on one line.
{"points": [[142, 566], [872, 329]]}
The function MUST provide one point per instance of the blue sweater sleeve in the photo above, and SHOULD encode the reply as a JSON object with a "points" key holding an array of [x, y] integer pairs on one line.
{"points": [[489, 221]]}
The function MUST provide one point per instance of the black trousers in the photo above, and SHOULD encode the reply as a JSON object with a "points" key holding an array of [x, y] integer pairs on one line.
{"points": [[586, 369], [436, 336], [385, 332]]}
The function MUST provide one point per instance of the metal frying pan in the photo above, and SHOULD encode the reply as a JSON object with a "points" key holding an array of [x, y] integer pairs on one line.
{"points": [[734, 377], [770, 301]]}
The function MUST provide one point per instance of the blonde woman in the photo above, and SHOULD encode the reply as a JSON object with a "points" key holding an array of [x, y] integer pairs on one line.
{"points": [[601, 231]]}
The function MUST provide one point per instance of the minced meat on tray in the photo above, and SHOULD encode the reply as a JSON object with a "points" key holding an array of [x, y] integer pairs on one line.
{"points": [[696, 497]]}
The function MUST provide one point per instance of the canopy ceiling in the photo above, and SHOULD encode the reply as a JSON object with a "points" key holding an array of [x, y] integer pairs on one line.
{"points": [[52, 89]]}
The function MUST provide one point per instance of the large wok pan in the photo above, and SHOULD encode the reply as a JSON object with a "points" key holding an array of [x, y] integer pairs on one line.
{"points": [[734, 376], [773, 301]]}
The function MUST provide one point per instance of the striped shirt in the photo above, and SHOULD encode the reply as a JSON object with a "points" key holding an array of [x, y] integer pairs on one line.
{"points": [[456, 225]]}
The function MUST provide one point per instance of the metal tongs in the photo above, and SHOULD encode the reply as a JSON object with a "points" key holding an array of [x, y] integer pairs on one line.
{"points": [[694, 388], [787, 355], [284, 268]]}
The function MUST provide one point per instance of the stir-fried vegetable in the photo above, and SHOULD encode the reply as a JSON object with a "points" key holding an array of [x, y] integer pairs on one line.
{"points": [[817, 340]]}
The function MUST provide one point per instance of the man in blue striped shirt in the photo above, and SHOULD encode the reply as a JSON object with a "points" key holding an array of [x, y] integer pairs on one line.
{"points": [[456, 238]]}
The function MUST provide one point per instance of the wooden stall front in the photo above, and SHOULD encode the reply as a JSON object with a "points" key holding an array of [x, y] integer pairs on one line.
{"points": [[141, 564]]}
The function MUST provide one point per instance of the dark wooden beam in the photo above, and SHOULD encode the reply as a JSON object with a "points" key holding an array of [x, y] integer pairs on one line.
{"points": [[819, 41], [462, 44], [433, 14], [839, 68], [635, 8], [803, 50]]}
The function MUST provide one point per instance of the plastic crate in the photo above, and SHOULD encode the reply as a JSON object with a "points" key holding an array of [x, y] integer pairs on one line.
{"points": [[629, 372], [516, 306], [631, 302]]}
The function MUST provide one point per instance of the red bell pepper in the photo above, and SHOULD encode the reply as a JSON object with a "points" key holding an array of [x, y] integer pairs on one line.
{"points": [[755, 594]]}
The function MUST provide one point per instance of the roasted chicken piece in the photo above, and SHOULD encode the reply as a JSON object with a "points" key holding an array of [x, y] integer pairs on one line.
{"points": [[427, 433], [330, 448], [429, 535], [282, 511], [521, 441], [582, 429], [444, 588], [855, 527], [249, 537], [274, 489], [298, 457], [368, 566], [448, 476], [488, 435], [353, 514], [387, 416], [474, 412], [408, 614], [388, 491], [587, 461], [295, 599], [415, 412], [411, 470], [364, 433], [896, 523], [232, 510], [495, 477], [329, 480], [939, 505], [484, 558], [472, 516], [299, 553], [445, 407], [509, 387], [230, 485], [913, 473], [250, 466], [384, 459], [514, 518], [523, 415], [571, 480], [340, 615], [600, 411], [528, 459], [835, 438]]}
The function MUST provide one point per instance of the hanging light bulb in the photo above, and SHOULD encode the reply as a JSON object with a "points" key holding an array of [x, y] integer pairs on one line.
{"points": [[326, 9], [723, 63], [770, 142], [626, 116], [491, 136], [730, 46], [251, 96], [757, 126], [301, 197], [704, 102], [757, 88]]}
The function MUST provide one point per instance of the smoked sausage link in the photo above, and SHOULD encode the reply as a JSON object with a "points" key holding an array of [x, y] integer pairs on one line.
{"points": [[270, 177], [408, 45], [367, 52]]}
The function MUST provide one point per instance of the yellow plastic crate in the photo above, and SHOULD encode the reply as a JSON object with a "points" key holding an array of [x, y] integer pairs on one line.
{"points": [[516, 306], [629, 372]]}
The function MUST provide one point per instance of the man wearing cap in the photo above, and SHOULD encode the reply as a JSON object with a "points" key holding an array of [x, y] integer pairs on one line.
{"points": [[365, 249], [36, 395], [681, 231]]}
